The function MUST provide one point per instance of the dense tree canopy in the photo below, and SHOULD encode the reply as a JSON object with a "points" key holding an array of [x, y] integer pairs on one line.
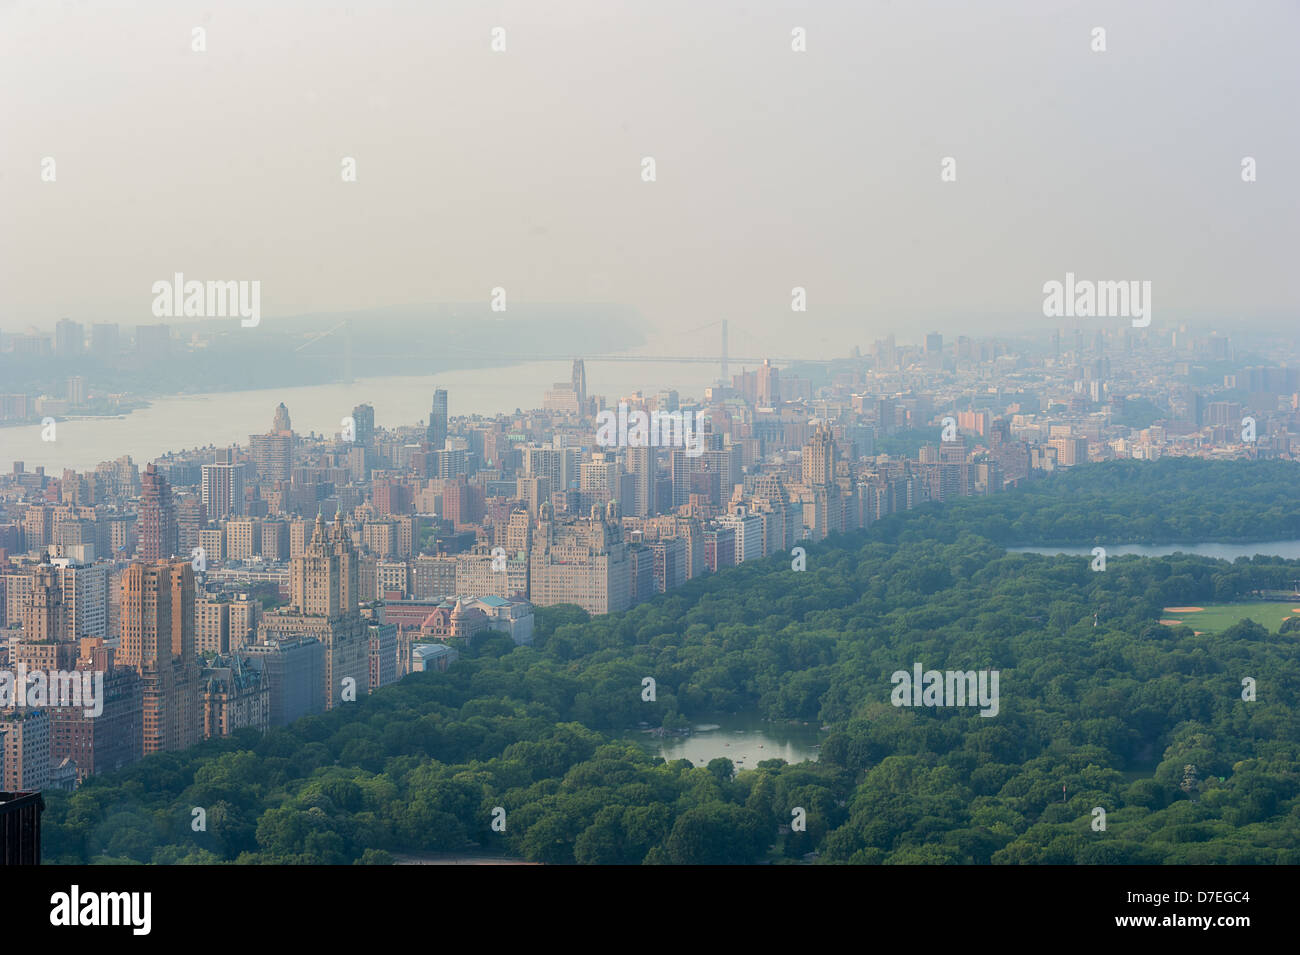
{"points": [[1100, 707]]}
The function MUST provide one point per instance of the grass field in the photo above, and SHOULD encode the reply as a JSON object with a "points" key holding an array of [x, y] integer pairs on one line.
{"points": [[1213, 618]]}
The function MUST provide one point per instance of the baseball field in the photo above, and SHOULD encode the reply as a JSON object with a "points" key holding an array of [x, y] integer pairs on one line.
{"points": [[1213, 618]]}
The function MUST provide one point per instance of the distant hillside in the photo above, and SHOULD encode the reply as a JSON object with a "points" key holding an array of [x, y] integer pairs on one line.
{"points": [[219, 355]]}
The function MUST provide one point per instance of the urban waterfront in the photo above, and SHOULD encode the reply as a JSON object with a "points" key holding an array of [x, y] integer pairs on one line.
{"points": [[670, 435], [174, 423]]}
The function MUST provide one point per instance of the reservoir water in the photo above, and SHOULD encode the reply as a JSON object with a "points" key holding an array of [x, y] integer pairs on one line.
{"points": [[1289, 550]]}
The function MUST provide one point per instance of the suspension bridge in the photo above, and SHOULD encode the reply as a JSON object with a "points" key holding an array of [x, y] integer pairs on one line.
{"points": [[723, 360]]}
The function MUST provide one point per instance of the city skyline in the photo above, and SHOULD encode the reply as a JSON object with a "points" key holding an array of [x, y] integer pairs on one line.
{"points": [[649, 434]]}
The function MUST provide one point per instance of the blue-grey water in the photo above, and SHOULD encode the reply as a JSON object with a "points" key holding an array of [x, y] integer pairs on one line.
{"points": [[1289, 550], [743, 738], [193, 421]]}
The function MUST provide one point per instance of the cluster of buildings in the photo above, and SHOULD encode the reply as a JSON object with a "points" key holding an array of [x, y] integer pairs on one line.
{"points": [[227, 588], [180, 653], [176, 660], [74, 344]]}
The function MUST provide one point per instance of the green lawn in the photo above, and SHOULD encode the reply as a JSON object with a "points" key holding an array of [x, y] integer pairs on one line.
{"points": [[1213, 618]]}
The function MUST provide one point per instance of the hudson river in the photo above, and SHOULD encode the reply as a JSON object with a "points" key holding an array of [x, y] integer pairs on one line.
{"points": [[174, 424]]}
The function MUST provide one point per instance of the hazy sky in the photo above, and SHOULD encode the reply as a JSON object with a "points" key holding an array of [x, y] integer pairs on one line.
{"points": [[522, 169]]}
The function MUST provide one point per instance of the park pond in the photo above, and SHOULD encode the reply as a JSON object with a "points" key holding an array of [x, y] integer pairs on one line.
{"points": [[744, 738]]}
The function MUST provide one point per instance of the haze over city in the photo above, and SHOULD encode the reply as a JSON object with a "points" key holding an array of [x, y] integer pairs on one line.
{"points": [[521, 170], [640, 434]]}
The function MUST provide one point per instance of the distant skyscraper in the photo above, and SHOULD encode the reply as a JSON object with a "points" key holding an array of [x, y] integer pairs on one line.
{"points": [[569, 397], [272, 453], [437, 430], [934, 350], [769, 385], [363, 416], [580, 382], [157, 516], [76, 391], [280, 423], [69, 339]]}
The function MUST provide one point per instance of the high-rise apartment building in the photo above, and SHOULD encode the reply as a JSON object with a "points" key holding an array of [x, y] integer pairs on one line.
{"points": [[245, 615], [436, 433], [158, 643], [85, 597], [599, 478], [293, 671], [223, 487], [480, 574], [640, 463], [769, 385], [212, 624], [243, 538], [69, 339], [272, 453], [24, 748], [324, 598], [558, 464], [954, 469], [818, 459], [1070, 451], [157, 534], [747, 529], [582, 562], [42, 612], [433, 577], [190, 519], [363, 418], [275, 541], [104, 741]]}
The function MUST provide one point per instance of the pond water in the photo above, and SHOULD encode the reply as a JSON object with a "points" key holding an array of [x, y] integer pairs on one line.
{"points": [[745, 739]]}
